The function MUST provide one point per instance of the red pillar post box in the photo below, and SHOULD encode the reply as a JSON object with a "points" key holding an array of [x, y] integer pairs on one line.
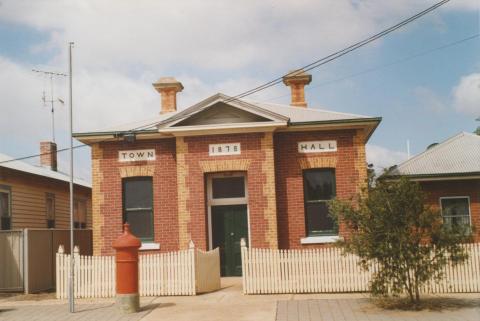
{"points": [[126, 260]]}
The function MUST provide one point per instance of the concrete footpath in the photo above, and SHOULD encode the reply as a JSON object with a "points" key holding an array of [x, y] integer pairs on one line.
{"points": [[230, 304]]}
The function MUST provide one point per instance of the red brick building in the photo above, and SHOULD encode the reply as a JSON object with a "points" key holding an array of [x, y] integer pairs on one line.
{"points": [[225, 169], [449, 173]]}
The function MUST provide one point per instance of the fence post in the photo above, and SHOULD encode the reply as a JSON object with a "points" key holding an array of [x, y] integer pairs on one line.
{"points": [[76, 269], [193, 277], [243, 250], [59, 266]]}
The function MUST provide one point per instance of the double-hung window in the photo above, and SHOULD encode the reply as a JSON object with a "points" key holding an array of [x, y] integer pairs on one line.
{"points": [[80, 214], [5, 209], [50, 209], [138, 206], [455, 210], [319, 188]]}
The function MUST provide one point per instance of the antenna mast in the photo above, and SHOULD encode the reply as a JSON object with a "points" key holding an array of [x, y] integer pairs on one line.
{"points": [[52, 101]]}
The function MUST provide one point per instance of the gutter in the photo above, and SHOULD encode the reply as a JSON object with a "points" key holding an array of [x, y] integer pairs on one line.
{"points": [[375, 120], [435, 177]]}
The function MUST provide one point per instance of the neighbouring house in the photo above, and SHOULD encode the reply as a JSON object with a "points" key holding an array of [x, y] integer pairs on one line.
{"points": [[39, 196], [225, 169], [449, 173]]}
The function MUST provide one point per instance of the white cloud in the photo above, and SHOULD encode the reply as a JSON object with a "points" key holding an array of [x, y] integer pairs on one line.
{"points": [[121, 47], [382, 158], [210, 34], [429, 99], [467, 95]]}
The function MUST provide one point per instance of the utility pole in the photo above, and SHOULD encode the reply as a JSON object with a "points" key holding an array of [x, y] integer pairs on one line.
{"points": [[52, 101], [71, 284]]}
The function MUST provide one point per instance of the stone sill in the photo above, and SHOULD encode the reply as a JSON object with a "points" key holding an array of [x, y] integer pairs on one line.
{"points": [[150, 246], [320, 239]]}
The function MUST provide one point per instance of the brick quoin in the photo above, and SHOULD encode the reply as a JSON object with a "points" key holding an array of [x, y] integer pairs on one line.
{"points": [[275, 204], [196, 203], [164, 182], [350, 172]]}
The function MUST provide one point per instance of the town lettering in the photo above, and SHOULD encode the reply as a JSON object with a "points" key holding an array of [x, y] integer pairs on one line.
{"points": [[136, 155], [319, 146], [224, 149]]}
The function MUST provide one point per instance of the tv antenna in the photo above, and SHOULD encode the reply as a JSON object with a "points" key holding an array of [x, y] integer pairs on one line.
{"points": [[52, 100]]}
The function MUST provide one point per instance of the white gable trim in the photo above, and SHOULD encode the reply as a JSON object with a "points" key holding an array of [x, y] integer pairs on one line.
{"points": [[219, 98], [223, 128]]}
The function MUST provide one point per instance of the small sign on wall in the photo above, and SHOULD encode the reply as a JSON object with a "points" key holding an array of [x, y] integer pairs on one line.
{"points": [[224, 149], [136, 155], [318, 146]]}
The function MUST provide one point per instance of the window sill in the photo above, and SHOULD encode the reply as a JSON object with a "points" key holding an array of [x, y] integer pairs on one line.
{"points": [[320, 239], [150, 246]]}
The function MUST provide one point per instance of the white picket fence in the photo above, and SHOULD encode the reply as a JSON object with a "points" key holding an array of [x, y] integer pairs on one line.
{"points": [[267, 271], [172, 273]]}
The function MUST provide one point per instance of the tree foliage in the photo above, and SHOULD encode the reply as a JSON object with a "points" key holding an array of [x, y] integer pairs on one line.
{"points": [[393, 227]]}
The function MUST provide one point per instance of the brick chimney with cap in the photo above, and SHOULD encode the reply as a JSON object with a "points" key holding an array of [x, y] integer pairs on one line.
{"points": [[48, 155], [168, 88], [296, 80]]}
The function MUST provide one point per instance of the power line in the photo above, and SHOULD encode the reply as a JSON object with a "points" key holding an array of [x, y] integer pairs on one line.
{"points": [[310, 66], [340, 53], [389, 64]]}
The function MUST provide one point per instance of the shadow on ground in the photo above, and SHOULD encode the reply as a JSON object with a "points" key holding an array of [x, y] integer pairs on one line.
{"points": [[429, 304]]}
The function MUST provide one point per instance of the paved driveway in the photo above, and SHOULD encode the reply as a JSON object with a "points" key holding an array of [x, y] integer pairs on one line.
{"points": [[363, 310]]}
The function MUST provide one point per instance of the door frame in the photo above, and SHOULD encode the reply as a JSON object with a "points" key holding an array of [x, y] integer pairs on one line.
{"points": [[225, 201]]}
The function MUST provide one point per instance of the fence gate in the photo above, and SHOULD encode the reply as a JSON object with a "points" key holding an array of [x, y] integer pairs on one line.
{"points": [[11, 260]]}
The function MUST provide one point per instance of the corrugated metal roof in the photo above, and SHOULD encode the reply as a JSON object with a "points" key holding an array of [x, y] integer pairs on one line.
{"points": [[303, 115], [459, 154], [38, 170], [293, 114]]}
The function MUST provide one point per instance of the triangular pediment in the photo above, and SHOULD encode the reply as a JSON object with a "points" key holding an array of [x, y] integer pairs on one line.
{"points": [[221, 113]]}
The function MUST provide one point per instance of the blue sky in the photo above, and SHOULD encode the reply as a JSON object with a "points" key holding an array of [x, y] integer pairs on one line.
{"points": [[234, 46]]}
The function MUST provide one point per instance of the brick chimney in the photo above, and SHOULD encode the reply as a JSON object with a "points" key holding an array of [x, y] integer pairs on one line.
{"points": [[296, 80], [48, 155], [168, 88]]}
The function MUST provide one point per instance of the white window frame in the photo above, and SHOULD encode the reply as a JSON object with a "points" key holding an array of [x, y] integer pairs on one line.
{"points": [[225, 201], [453, 197]]}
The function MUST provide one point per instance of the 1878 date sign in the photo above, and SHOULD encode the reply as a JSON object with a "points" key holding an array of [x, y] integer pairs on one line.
{"points": [[224, 149]]}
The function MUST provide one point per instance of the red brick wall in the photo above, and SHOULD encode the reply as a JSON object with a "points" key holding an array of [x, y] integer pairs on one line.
{"points": [[164, 193], [471, 188], [289, 178], [196, 203], [287, 187]]}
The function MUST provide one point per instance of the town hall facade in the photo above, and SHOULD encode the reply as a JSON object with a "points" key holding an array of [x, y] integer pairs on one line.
{"points": [[225, 169]]}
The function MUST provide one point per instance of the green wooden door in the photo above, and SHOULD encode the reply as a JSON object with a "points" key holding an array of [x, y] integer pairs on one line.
{"points": [[229, 226]]}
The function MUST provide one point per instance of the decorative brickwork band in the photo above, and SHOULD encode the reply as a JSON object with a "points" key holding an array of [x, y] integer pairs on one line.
{"points": [[98, 199], [183, 194], [317, 162], [225, 165], [133, 171], [270, 211]]}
